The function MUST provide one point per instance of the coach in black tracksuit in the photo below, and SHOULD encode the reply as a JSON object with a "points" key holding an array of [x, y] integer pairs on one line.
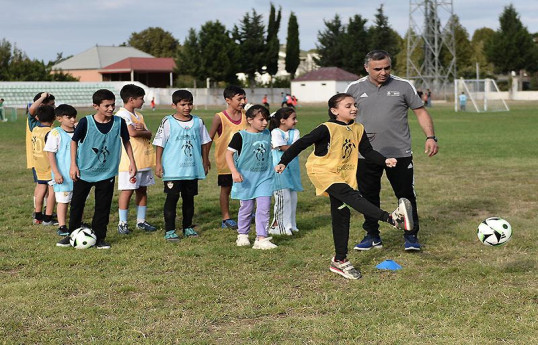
{"points": [[383, 102]]}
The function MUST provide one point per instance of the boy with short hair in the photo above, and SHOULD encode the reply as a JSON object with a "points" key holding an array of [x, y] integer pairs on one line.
{"points": [[41, 99], [224, 125], [95, 157], [144, 154], [41, 166], [58, 148], [182, 159]]}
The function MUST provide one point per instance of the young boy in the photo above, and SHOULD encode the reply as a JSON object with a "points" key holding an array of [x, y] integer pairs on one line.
{"points": [[95, 157], [133, 98], [42, 98], [224, 125], [40, 162], [58, 148], [182, 159]]}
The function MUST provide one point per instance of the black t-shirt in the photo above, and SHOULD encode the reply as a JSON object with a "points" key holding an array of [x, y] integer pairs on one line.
{"points": [[82, 129]]}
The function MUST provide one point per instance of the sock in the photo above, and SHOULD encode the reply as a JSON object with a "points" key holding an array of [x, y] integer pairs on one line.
{"points": [[47, 218], [123, 215], [38, 216], [141, 214]]}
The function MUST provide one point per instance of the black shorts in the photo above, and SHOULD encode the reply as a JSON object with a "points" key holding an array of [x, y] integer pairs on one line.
{"points": [[185, 187], [225, 180]]}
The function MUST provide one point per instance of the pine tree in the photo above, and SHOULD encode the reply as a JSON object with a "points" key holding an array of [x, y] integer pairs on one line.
{"points": [[331, 44], [250, 35], [272, 42], [382, 36], [292, 46]]}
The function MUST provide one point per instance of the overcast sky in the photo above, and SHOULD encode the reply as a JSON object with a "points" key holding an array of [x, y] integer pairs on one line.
{"points": [[44, 28]]}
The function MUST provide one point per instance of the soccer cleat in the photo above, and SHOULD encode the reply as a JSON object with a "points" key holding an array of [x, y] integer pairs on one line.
{"points": [[229, 223], [64, 242], [123, 229], [402, 217], [264, 244], [345, 269], [369, 242], [146, 226], [171, 236], [411, 243], [63, 231], [189, 232], [101, 244], [242, 240]]}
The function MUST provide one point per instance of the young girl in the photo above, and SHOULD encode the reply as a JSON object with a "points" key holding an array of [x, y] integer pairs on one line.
{"points": [[332, 170], [249, 159], [287, 184]]}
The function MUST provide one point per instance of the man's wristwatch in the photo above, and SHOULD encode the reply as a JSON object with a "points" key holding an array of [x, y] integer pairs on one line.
{"points": [[432, 137]]}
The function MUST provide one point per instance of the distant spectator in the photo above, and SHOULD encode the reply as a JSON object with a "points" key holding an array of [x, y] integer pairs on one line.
{"points": [[152, 104], [428, 102], [265, 102], [2, 117], [463, 101]]}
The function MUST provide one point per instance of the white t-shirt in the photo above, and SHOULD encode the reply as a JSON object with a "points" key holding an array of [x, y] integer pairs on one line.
{"points": [[277, 140], [53, 140], [163, 133], [126, 115]]}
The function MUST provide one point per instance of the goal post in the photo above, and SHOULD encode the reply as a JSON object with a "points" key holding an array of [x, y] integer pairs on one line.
{"points": [[480, 94]]}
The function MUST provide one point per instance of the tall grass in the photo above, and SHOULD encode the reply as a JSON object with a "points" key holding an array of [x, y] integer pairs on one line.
{"points": [[206, 290]]}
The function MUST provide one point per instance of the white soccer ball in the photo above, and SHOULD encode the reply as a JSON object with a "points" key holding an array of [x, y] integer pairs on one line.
{"points": [[494, 231], [83, 238]]}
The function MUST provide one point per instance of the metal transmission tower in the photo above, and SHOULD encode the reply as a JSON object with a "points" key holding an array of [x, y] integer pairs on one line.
{"points": [[431, 47]]}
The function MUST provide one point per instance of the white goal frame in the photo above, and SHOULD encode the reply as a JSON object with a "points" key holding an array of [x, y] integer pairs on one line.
{"points": [[482, 95]]}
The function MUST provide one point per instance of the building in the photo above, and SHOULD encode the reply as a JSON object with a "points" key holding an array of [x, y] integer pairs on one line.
{"points": [[106, 63], [321, 84]]}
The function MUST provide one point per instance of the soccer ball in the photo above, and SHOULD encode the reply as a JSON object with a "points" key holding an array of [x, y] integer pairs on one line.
{"points": [[494, 231], [83, 238]]}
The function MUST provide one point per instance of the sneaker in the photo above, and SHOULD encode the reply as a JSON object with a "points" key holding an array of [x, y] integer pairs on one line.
{"points": [[63, 231], [36, 221], [242, 240], [146, 226], [369, 242], [345, 269], [171, 236], [51, 222], [411, 243], [189, 232], [264, 244], [229, 223], [101, 244], [295, 230], [402, 217], [274, 230], [64, 242], [123, 229]]}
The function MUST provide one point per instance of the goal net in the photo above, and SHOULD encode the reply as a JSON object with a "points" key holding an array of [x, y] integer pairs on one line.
{"points": [[478, 95]]}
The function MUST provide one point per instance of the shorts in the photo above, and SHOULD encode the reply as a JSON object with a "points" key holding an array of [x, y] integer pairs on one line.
{"points": [[49, 182], [143, 179], [63, 197], [225, 180], [187, 187]]}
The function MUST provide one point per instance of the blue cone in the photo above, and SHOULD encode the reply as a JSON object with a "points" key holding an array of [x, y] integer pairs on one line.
{"points": [[389, 265]]}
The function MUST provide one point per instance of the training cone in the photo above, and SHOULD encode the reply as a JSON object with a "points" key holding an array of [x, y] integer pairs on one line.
{"points": [[389, 265]]}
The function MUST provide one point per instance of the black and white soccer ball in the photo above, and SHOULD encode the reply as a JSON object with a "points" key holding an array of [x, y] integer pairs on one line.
{"points": [[494, 231], [83, 238]]}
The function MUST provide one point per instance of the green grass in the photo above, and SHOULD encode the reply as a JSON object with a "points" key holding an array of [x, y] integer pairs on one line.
{"points": [[207, 291]]}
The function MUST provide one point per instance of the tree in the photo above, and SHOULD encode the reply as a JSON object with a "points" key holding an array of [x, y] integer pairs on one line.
{"points": [[331, 45], [464, 64], [218, 53], [272, 42], [293, 58], [511, 48], [250, 38], [355, 44], [382, 36], [478, 42], [155, 41]]}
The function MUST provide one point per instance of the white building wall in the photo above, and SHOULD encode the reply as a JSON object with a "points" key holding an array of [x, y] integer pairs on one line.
{"points": [[313, 91]]}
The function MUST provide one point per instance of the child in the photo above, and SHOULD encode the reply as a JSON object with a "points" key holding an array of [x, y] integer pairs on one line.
{"points": [[95, 157], [58, 148], [332, 168], [287, 184], [224, 125], [45, 115], [41, 99], [182, 160], [133, 98], [249, 160]]}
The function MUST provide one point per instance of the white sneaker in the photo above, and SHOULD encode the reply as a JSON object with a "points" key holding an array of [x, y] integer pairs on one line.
{"points": [[242, 240], [264, 244], [403, 215], [274, 230], [295, 230]]}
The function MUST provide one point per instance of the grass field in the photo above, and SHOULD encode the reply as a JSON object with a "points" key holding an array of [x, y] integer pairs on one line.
{"points": [[207, 291]]}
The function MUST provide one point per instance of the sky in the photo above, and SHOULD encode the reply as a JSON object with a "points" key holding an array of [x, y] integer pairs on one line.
{"points": [[43, 29]]}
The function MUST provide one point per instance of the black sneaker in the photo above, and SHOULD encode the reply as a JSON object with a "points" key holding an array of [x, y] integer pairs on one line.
{"points": [[63, 231], [101, 244], [64, 242]]}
